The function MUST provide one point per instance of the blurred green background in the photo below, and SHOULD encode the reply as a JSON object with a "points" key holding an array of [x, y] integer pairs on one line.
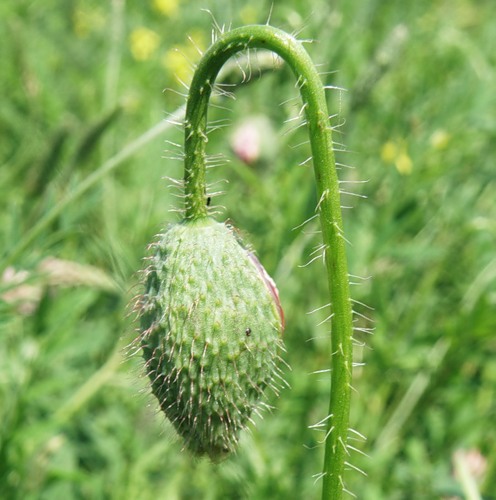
{"points": [[82, 81]]}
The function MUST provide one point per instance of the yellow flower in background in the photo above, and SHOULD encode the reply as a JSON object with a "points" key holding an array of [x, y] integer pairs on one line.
{"points": [[389, 152], [440, 139], [397, 153], [404, 163], [85, 21], [175, 62], [144, 43], [166, 7], [179, 60]]}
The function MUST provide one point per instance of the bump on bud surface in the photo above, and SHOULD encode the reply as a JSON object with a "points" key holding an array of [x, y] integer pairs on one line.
{"points": [[211, 326]]}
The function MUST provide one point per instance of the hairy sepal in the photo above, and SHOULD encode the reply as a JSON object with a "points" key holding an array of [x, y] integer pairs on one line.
{"points": [[210, 332]]}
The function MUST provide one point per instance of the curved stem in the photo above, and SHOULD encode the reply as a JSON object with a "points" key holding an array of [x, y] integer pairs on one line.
{"points": [[312, 93]]}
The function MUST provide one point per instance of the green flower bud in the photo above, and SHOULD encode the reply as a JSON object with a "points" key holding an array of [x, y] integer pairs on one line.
{"points": [[211, 326]]}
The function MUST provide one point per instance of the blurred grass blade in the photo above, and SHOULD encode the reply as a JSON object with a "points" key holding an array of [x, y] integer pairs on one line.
{"points": [[42, 171], [88, 183], [91, 386], [412, 396], [93, 135]]}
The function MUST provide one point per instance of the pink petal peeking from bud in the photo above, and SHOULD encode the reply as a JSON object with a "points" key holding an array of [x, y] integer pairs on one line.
{"points": [[269, 282]]}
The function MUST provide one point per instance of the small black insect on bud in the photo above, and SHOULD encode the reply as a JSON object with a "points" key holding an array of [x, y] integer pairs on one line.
{"points": [[248, 332]]}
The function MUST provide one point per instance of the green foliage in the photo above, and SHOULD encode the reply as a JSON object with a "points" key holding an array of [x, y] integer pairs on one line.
{"points": [[82, 80]]}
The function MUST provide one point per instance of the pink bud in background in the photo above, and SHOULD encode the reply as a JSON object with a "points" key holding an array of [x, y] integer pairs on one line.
{"points": [[253, 140]]}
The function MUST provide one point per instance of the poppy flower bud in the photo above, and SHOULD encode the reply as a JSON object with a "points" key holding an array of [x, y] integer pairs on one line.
{"points": [[254, 140], [211, 326]]}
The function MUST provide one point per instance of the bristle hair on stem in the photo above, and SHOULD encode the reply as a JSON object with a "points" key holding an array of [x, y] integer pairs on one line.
{"points": [[175, 91], [293, 119], [349, 193], [319, 372], [315, 258], [318, 477], [293, 100], [195, 45], [356, 313], [304, 223], [182, 83], [218, 125], [318, 337], [368, 331], [326, 320], [333, 87], [245, 77], [300, 144], [305, 162], [175, 183], [173, 156], [358, 365], [362, 304], [220, 91], [325, 306], [293, 129], [344, 165]]}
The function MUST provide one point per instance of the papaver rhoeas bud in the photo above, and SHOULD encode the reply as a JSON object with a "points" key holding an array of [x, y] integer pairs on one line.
{"points": [[254, 140], [211, 326]]}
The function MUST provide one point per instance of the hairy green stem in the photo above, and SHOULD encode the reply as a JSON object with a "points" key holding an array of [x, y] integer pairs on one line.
{"points": [[312, 93]]}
